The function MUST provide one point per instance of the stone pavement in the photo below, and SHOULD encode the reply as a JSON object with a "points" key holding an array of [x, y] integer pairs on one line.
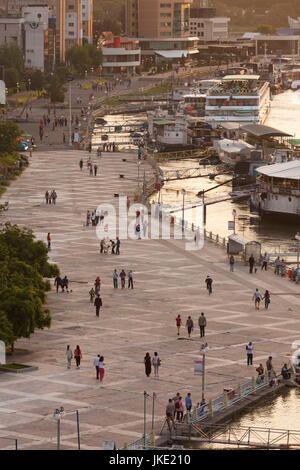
{"points": [[168, 280]]}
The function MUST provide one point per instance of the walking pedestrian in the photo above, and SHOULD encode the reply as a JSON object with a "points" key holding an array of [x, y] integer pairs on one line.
{"points": [[123, 278], [96, 364], [156, 363], [98, 304], [170, 412], [179, 408], [231, 263], [249, 349], [65, 284], [189, 325], [97, 285], [257, 298], [81, 164], [251, 263], [277, 266], [101, 368], [78, 356], [69, 355], [92, 295], [118, 243], [188, 402], [147, 362], [47, 197], [49, 241], [115, 279], [202, 324], [130, 279], [264, 261], [267, 299], [53, 196], [209, 282], [95, 170], [178, 324]]}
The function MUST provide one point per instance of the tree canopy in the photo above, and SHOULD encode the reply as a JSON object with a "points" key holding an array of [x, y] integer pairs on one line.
{"points": [[9, 131], [82, 58], [23, 265]]}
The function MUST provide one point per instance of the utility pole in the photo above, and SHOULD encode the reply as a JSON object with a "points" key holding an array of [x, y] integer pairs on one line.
{"points": [[203, 351], [183, 192]]}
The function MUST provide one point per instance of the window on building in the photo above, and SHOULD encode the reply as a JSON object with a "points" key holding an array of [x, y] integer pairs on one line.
{"points": [[165, 25], [165, 5], [71, 7], [165, 15], [71, 24]]}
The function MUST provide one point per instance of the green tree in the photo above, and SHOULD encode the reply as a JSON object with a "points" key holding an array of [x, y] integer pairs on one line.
{"points": [[82, 58], [9, 131], [55, 89], [23, 264], [6, 329], [11, 56], [12, 76], [266, 29]]}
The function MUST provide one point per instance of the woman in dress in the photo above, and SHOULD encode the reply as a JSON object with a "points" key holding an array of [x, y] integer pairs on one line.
{"points": [[147, 361], [101, 368], [69, 355], [267, 300]]}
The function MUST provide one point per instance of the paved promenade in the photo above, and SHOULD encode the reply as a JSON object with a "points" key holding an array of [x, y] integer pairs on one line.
{"points": [[168, 281]]}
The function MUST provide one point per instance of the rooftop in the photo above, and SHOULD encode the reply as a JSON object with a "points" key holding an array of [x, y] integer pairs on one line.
{"points": [[258, 130], [290, 170]]}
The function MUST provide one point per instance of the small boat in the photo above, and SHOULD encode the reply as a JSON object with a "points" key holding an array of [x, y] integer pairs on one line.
{"points": [[104, 137]]}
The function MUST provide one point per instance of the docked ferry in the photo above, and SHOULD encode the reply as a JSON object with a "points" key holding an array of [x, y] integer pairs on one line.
{"points": [[238, 98], [278, 189]]}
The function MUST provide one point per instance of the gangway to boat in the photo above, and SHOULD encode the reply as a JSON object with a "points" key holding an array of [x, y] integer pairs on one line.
{"points": [[183, 154], [247, 436]]}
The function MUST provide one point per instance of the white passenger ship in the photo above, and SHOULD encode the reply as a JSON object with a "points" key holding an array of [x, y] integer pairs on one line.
{"points": [[278, 190], [238, 98]]}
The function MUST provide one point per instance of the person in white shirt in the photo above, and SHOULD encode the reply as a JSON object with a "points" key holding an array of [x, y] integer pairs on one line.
{"points": [[249, 349], [257, 298], [96, 364]]}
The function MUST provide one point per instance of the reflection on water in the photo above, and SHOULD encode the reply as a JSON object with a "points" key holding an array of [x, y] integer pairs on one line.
{"points": [[285, 111], [279, 412]]}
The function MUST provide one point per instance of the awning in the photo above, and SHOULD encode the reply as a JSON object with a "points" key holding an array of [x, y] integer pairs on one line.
{"points": [[295, 142], [175, 54], [289, 170], [258, 130]]}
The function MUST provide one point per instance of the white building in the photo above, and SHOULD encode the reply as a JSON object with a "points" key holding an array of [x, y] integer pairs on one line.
{"points": [[11, 31], [209, 29], [35, 25], [120, 56], [87, 20]]}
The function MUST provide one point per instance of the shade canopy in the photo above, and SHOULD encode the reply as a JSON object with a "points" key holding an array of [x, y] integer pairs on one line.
{"points": [[289, 170], [258, 130]]}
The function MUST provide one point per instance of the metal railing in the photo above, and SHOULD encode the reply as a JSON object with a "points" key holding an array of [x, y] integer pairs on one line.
{"points": [[228, 398], [145, 442]]}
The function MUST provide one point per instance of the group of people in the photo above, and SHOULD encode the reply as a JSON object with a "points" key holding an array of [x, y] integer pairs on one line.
{"points": [[190, 324], [279, 265], [77, 355], [50, 197], [257, 297], [149, 362], [111, 246], [94, 218], [175, 408], [122, 276], [62, 283]]}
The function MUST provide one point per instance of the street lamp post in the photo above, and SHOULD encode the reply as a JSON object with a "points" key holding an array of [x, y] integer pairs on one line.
{"points": [[183, 192], [234, 216], [203, 351], [18, 85], [70, 78], [58, 414], [138, 165]]}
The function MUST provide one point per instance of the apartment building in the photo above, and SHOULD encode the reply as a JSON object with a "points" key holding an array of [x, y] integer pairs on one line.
{"points": [[157, 18], [87, 20], [205, 24]]}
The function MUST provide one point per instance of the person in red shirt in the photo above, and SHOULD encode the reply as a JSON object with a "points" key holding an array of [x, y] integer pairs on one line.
{"points": [[178, 324], [49, 241]]}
